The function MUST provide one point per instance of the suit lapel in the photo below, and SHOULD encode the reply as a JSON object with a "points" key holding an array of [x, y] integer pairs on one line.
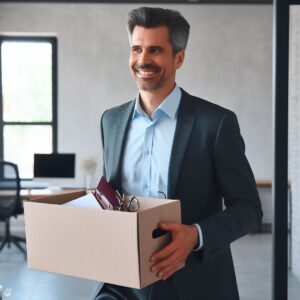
{"points": [[122, 121], [184, 126]]}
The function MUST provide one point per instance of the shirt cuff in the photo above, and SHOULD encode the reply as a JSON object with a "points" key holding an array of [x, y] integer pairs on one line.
{"points": [[200, 245]]}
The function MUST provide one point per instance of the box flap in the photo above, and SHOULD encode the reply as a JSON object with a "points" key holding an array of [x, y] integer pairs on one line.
{"points": [[147, 203], [59, 198]]}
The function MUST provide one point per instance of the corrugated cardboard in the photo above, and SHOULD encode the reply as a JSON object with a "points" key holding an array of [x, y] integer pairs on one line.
{"points": [[102, 245]]}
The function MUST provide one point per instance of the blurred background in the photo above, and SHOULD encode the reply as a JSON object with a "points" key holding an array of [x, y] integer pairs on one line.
{"points": [[64, 64]]}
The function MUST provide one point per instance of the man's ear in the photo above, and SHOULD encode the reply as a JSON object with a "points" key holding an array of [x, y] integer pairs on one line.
{"points": [[179, 58]]}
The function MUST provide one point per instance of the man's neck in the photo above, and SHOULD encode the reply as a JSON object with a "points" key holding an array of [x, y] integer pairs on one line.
{"points": [[150, 100]]}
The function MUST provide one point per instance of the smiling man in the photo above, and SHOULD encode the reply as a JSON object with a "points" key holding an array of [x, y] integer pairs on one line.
{"points": [[153, 64], [167, 141]]}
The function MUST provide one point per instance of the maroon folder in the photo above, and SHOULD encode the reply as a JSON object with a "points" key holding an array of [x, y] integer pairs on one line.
{"points": [[106, 195]]}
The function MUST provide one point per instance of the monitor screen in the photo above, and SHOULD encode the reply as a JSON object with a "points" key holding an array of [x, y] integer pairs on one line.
{"points": [[54, 165]]}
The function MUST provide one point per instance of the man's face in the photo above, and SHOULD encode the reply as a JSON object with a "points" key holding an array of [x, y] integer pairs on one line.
{"points": [[152, 62]]}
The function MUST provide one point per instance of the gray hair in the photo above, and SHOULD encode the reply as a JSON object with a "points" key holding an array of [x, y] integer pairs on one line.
{"points": [[150, 17]]}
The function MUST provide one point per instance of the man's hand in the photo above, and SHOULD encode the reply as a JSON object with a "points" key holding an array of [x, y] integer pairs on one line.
{"points": [[168, 260]]}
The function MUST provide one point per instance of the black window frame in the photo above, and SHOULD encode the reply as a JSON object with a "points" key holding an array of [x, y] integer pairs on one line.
{"points": [[37, 39]]}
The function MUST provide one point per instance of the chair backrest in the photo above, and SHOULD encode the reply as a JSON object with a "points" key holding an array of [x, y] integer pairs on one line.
{"points": [[10, 203]]}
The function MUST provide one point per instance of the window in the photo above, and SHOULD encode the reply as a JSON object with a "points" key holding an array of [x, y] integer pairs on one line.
{"points": [[28, 99]]}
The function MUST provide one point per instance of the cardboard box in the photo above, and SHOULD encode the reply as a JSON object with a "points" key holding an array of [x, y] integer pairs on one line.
{"points": [[90, 243]]}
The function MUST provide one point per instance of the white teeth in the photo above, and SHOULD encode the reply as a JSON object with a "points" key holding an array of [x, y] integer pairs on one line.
{"points": [[146, 73]]}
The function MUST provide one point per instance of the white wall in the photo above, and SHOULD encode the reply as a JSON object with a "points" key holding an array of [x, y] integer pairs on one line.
{"points": [[228, 61]]}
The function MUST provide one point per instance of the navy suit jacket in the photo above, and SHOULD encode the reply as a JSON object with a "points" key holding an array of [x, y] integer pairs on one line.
{"points": [[211, 176]]}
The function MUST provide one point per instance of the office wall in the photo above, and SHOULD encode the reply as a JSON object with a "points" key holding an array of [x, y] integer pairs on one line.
{"points": [[228, 61], [294, 133]]}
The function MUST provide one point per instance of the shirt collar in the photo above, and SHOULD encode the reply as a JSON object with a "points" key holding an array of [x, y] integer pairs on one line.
{"points": [[169, 105]]}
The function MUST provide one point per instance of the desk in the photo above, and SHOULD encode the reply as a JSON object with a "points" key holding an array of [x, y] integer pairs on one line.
{"points": [[267, 183], [29, 184], [33, 190], [35, 194], [24, 184], [264, 183]]}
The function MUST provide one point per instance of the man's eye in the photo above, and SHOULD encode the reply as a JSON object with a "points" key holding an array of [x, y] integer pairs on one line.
{"points": [[136, 50], [156, 50]]}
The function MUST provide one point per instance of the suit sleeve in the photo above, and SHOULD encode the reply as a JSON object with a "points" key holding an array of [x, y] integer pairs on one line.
{"points": [[236, 183]]}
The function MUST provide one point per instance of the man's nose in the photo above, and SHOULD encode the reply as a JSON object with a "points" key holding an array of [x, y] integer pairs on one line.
{"points": [[144, 58]]}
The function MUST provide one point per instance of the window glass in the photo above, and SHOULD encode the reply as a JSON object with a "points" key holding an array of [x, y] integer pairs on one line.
{"points": [[26, 81], [22, 141]]}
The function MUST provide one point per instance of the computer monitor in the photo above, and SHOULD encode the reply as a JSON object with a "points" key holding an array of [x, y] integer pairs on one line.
{"points": [[54, 165]]}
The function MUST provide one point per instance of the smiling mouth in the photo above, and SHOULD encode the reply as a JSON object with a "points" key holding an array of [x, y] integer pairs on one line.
{"points": [[146, 74], [146, 71]]}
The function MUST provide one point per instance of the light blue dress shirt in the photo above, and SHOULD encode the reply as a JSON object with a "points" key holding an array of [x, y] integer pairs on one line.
{"points": [[148, 150]]}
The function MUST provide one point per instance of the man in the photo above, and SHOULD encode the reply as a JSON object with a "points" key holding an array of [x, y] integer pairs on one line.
{"points": [[169, 141]]}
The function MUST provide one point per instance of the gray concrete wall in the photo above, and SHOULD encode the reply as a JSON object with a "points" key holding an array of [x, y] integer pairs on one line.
{"points": [[228, 61]]}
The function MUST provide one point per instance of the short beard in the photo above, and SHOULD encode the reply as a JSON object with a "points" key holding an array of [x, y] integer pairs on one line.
{"points": [[149, 88]]}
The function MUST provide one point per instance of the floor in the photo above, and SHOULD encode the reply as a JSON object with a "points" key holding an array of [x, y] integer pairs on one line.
{"points": [[252, 258]]}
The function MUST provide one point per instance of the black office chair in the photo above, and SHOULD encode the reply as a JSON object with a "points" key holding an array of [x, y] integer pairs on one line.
{"points": [[10, 203]]}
